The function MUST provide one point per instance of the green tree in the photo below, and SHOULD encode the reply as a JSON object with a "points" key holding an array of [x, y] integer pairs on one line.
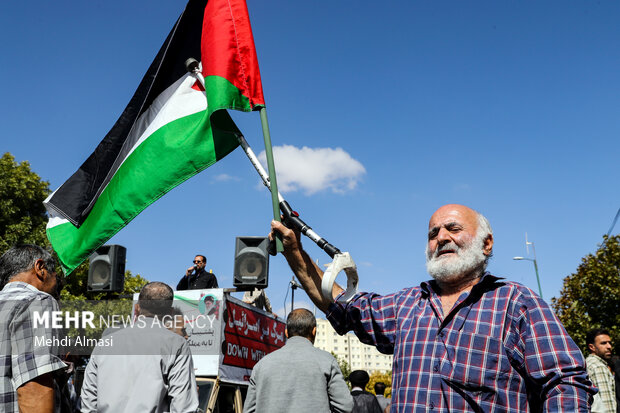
{"points": [[76, 286], [22, 214], [590, 298], [344, 367], [23, 219], [378, 376], [75, 297]]}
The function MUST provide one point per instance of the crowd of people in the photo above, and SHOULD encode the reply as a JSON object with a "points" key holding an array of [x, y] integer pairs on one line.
{"points": [[466, 340]]}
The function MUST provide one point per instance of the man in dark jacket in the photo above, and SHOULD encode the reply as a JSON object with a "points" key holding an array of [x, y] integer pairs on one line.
{"points": [[196, 278], [363, 402]]}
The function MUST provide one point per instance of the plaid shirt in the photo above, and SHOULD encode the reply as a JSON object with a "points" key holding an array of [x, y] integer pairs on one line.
{"points": [[21, 360], [603, 378], [500, 349]]}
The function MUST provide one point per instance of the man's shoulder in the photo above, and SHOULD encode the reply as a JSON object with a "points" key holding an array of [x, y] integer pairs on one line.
{"points": [[144, 337], [19, 296], [405, 294], [205, 273], [295, 346], [594, 361], [518, 294], [18, 290], [364, 395]]}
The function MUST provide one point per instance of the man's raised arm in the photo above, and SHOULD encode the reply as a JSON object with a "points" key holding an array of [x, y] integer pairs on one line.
{"points": [[307, 272]]}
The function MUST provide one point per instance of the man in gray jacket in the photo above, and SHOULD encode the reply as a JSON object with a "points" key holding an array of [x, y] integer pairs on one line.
{"points": [[145, 367], [298, 377]]}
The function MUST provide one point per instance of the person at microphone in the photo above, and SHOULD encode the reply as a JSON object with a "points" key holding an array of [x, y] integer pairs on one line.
{"points": [[196, 278]]}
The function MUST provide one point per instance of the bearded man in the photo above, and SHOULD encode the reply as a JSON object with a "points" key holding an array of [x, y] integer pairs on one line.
{"points": [[466, 341]]}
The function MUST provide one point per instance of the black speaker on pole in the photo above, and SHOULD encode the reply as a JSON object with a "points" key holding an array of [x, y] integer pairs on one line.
{"points": [[251, 263], [107, 269]]}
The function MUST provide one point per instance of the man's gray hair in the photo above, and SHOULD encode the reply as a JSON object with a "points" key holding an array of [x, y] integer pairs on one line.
{"points": [[484, 230], [21, 258], [483, 224], [300, 322], [156, 298]]}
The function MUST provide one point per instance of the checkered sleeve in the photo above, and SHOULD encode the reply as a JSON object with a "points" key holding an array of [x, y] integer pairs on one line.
{"points": [[32, 356], [551, 359], [372, 317]]}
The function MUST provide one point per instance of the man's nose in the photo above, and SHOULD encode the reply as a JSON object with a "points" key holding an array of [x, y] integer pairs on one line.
{"points": [[443, 236]]}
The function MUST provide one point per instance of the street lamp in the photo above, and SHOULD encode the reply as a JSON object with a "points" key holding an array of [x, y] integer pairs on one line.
{"points": [[534, 261]]}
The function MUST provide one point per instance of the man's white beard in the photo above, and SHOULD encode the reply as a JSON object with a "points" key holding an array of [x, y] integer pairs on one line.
{"points": [[469, 261]]}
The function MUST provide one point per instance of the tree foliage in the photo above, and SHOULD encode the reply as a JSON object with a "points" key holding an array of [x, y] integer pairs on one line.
{"points": [[22, 214], [344, 367], [590, 298], [23, 219], [74, 297], [377, 376], [76, 286]]}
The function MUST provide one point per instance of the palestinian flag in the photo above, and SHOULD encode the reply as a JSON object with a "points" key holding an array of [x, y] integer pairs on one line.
{"points": [[171, 129]]}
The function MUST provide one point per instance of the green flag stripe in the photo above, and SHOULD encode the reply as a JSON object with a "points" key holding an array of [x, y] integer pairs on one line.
{"points": [[169, 156], [155, 167]]}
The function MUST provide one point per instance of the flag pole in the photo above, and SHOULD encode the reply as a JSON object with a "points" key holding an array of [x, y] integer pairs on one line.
{"points": [[273, 186]]}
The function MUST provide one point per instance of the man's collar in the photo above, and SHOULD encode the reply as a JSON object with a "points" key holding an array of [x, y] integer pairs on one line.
{"points": [[482, 285], [20, 285], [299, 338], [599, 358]]}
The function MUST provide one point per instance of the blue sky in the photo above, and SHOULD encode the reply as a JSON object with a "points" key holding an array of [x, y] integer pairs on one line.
{"points": [[508, 107]]}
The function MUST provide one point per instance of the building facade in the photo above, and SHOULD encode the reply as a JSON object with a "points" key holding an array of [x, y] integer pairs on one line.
{"points": [[348, 347]]}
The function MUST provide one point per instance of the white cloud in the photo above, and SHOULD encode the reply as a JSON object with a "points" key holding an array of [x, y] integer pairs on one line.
{"points": [[225, 178], [315, 169]]}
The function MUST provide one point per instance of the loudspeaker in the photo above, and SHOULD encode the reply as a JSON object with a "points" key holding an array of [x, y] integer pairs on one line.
{"points": [[107, 269], [251, 263]]}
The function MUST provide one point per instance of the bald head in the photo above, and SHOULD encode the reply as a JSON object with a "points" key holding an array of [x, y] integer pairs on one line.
{"points": [[456, 212], [467, 220]]}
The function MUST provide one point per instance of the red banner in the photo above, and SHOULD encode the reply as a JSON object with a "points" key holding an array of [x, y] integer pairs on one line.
{"points": [[249, 336]]}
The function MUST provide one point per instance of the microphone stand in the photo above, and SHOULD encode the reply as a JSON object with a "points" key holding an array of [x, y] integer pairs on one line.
{"points": [[294, 286]]}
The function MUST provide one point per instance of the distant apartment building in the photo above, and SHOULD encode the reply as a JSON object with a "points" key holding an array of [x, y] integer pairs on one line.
{"points": [[359, 356]]}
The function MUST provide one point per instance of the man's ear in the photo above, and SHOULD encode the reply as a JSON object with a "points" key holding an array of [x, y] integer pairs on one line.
{"points": [[286, 332], [38, 268], [487, 247], [591, 347]]}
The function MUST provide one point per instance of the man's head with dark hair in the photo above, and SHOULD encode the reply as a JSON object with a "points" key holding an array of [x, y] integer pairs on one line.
{"points": [[301, 322], [359, 378], [591, 336], [155, 299], [599, 343], [31, 264], [379, 387], [200, 262]]}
